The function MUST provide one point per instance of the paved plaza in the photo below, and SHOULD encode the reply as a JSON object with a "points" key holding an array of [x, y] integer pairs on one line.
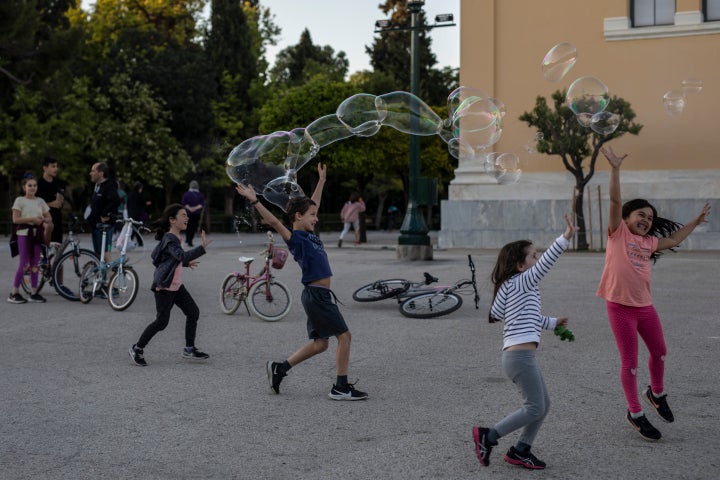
{"points": [[74, 407]]}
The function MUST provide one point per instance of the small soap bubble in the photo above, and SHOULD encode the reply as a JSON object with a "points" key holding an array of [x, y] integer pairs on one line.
{"points": [[691, 85], [674, 102], [605, 123], [558, 61]]}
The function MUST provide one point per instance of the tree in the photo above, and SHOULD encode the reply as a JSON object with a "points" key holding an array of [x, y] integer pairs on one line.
{"points": [[564, 136], [299, 63]]}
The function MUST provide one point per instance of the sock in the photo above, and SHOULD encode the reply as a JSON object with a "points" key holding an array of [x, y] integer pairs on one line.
{"points": [[341, 381], [657, 395], [637, 415], [285, 367], [492, 436], [189, 349], [522, 447]]}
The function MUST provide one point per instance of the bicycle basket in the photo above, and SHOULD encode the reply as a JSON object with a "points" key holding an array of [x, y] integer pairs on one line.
{"points": [[279, 257]]}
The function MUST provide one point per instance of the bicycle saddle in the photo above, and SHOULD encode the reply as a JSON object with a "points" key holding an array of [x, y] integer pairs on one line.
{"points": [[429, 279], [246, 259]]}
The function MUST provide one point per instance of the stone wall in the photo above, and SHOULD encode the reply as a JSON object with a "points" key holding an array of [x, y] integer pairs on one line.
{"points": [[482, 214]]}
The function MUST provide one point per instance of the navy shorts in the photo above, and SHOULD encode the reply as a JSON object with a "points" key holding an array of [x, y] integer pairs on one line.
{"points": [[324, 319]]}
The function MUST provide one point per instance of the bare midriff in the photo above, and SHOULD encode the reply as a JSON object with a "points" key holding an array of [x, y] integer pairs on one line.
{"points": [[523, 346], [323, 282]]}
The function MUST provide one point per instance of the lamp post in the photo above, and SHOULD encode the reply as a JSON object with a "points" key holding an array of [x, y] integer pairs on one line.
{"points": [[414, 242]]}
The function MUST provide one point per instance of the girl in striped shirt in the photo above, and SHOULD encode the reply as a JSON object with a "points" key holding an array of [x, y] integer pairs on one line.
{"points": [[516, 302]]}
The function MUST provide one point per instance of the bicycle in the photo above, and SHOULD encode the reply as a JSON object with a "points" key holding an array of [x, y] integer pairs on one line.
{"points": [[419, 299], [122, 288], [270, 299], [138, 228], [58, 261]]}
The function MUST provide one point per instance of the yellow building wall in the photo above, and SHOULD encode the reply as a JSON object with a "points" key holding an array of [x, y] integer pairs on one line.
{"points": [[503, 43]]}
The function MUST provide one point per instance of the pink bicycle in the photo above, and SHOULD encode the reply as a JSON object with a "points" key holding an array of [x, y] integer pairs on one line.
{"points": [[269, 299]]}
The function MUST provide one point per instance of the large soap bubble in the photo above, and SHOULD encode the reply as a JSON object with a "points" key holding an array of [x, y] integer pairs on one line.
{"points": [[270, 162], [587, 95], [558, 61]]}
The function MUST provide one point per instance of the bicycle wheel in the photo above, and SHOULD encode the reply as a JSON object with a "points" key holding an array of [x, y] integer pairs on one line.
{"points": [[380, 290], [123, 288], [89, 278], [429, 305], [43, 275], [271, 305], [66, 272], [232, 294]]}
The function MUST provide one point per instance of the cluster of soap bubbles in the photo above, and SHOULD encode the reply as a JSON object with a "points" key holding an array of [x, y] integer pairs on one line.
{"points": [[675, 100], [587, 96], [270, 162]]}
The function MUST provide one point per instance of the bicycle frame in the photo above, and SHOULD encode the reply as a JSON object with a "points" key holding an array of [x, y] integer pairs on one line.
{"points": [[264, 275]]}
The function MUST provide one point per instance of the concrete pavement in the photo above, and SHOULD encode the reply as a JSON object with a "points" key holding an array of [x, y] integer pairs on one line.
{"points": [[73, 406]]}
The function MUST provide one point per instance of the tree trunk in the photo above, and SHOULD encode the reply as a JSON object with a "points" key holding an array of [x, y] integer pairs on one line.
{"points": [[582, 243]]}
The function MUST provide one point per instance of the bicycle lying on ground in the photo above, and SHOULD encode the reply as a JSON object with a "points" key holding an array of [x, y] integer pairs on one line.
{"points": [[419, 299], [122, 287], [269, 299], [63, 268]]}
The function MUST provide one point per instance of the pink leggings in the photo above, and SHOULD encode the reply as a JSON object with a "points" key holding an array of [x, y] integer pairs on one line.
{"points": [[626, 323]]}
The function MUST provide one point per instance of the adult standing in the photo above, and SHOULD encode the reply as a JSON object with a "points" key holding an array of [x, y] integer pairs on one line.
{"points": [[52, 190], [136, 203], [194, 202], [103, 205], [350, 216]]}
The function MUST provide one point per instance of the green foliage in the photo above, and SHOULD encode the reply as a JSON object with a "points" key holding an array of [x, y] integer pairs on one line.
{"points": [[297, 64], [564, 334]]}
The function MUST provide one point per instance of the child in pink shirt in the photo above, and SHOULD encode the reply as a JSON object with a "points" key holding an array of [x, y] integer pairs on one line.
{"points": [[635, 236]]}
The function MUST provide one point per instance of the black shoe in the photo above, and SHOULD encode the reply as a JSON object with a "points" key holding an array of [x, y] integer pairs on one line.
{"points": [[526, 460], [483, 447], [16, 298], [193, 353], [275, 375], [659, 404], [644, 428], [339, 243], [37, 298], [347, 392], [137, 356]]}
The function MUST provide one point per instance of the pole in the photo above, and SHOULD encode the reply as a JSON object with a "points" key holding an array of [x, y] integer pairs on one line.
{"points": [[414, 231]]}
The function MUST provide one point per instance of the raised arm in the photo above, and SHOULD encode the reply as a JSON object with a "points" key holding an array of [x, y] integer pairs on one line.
{"points": [[317, 194], [680, 235], [270, 219], [615, 198]]}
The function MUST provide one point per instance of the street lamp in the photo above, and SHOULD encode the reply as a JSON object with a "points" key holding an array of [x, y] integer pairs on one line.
{"points": [[414, 242]]}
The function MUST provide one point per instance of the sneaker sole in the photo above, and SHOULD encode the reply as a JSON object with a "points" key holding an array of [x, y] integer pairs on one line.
{"points": [[520, 463], [268, 367], [640, 433], [195, 358], [646, 395], [132, 357], [346, 397], [476, 438]]}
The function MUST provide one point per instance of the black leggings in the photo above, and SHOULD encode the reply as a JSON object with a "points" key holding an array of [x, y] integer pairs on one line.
{"points": [[164, 301]]}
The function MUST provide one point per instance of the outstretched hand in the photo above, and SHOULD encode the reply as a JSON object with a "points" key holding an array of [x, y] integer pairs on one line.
{"points": [[205, 242], [322, 171], [612, 158], [570, 229], [247, 192]]}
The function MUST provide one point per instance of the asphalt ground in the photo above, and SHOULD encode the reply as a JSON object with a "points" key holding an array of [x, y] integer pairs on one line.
{"points": [[73, 405]]}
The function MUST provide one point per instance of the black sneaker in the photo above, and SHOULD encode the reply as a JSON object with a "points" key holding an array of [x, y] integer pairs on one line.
{"points": [[193, 353], [483, 446], [659, 404], [16, 298], [347, 393], [37, 298], [644, 428], [137, 356], [525, 460], [275, 375]]}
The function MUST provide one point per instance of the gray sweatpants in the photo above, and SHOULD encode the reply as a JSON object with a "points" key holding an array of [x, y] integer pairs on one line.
{"points": [[521, 367]]}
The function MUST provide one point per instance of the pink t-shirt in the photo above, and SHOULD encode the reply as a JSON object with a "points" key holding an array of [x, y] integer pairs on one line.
{"points": [[626, 276]]}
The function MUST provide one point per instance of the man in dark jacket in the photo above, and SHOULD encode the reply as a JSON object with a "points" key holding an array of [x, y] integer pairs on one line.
{"points": [[103, 206]]}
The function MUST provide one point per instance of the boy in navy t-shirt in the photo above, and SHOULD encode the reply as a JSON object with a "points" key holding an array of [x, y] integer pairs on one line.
{"points": [[324, 319]]}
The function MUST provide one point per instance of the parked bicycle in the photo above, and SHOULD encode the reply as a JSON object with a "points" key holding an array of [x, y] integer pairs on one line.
{"points": [[269, 299], [122, 286], [62, 268], [420, 299], [138, 229]]}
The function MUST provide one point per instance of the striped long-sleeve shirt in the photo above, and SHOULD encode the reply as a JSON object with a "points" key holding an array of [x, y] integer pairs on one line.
{"points": [[518, 303]]}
